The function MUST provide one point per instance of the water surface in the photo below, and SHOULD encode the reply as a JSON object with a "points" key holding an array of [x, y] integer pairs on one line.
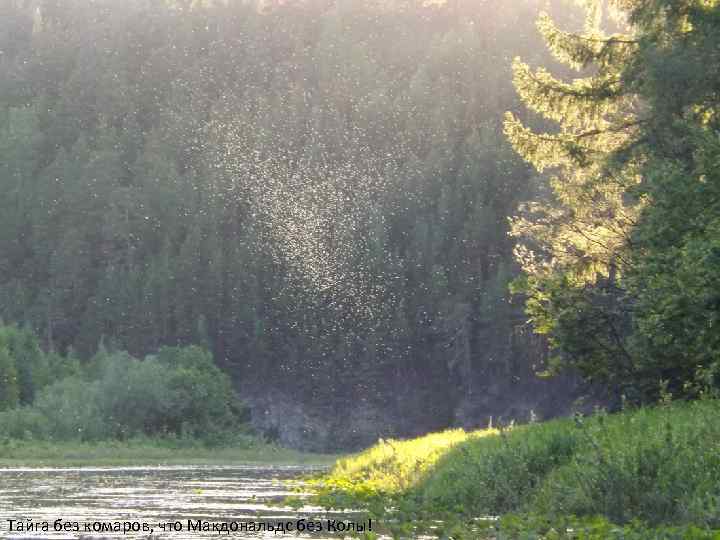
{"points": [[153, 495]]}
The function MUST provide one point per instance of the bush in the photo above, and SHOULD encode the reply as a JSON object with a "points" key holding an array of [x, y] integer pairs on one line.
{"points": [[72, 409], [24, 423], [134, 397], [202, 400], [179, 393]]}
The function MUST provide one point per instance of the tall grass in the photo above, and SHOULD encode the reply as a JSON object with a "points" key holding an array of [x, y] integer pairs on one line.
{"points": [[658, 466]]}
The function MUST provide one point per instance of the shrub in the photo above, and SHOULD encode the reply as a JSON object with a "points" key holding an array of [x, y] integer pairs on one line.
{"points": [[202, 400], [178, 393], [24, 423], [71, 407]]}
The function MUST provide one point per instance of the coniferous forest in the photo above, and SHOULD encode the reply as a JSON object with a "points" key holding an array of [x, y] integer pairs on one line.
{"points": [[307, 189], [363, 218]]}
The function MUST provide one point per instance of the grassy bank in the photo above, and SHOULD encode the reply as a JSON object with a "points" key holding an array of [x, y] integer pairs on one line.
{"points": [[14, 453], [648, 473]]}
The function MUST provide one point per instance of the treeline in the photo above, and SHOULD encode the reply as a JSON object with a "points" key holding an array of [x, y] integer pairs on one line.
{"points": [[622, 258], [317, 191], [177, 394]]}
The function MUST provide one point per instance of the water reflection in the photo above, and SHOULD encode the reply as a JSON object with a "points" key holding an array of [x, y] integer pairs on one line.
{"points": [[154, 495]]}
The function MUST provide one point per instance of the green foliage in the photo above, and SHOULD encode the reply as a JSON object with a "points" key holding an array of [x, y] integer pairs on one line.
{"points": [[498, 475], [587, 326], [24, 423], [72, 409], [177, 394], [643, 472], [9, 388], [678, 279], [24, 368], [202, 400], [651, 464], [526, 527], [620, 256], [32, 365], [307, 189]]}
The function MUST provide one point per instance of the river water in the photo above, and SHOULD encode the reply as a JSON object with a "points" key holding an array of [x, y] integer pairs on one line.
{"points": [[147, 497]]}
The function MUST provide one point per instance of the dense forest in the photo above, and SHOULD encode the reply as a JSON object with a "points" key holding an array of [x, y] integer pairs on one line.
{"points": [[305, 188], [329, 196]]}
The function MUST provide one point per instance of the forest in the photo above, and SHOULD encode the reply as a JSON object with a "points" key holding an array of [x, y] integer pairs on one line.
{"points": [[354, 219], [303, 188]]}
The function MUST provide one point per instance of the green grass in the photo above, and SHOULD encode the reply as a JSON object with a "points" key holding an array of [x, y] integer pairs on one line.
{"points": [[14, 453], [647, 473]]}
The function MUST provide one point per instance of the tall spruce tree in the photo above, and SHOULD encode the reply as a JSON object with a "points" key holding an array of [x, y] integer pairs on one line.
{"points": [[598, 252]]}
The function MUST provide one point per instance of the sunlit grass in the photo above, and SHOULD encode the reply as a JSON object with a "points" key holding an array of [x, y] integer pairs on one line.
{"points": [[646, 469], [393, 466]]}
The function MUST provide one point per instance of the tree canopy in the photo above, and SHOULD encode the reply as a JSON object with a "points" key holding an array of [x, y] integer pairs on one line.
{"points": [[619, 256], [306, 188]]}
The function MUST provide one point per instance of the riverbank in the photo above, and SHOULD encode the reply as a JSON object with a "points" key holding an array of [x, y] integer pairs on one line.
{"points": [[138, 452], [641, 474]]}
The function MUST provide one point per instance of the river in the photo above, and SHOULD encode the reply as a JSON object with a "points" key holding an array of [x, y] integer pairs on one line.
{"points": [[191, 502]]}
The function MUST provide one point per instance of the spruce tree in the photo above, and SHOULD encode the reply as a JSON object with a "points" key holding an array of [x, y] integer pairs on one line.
{"points": [[572, 243], [600, 254]]}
